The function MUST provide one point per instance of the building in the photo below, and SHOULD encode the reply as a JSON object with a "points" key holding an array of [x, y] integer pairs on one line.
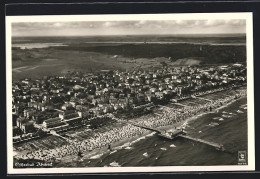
{"points": [[52, 122], [20, 121], [25, 124], [29, 112]]}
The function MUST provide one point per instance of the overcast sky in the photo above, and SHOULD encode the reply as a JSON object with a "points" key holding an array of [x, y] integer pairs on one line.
{"points": [[84, 28]]}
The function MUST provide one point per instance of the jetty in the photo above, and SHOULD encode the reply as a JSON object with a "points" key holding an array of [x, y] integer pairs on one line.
{"points": [[148, 128], [180, 132], [213, 144], [172, 134]]}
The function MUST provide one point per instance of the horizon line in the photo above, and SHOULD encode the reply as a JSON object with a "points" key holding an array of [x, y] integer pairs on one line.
{"points": [[206, 34]]}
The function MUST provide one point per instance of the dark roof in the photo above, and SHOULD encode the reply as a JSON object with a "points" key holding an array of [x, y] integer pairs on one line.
{"points": [[72, 115], [69, 112]]}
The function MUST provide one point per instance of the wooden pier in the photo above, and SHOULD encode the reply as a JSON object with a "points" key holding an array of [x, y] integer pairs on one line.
{"points": [[148, 128], [216, 145], [180, 133], [172, 134], [164, 133]]}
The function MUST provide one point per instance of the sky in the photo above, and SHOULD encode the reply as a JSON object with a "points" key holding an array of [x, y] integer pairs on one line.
{"points": [[141, 27]]}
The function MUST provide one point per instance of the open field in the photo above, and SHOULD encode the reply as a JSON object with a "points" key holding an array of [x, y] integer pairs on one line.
{"points": [[63, 61]]}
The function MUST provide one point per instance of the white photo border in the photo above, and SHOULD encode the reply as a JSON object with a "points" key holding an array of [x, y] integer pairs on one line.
{"points": [[130, 17]]}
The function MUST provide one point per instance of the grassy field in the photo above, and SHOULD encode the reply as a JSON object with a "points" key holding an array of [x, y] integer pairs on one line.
{"points": [[56, 62]]}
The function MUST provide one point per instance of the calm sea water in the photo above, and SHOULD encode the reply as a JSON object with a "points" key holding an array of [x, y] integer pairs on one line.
{"points": [[156, 151]]}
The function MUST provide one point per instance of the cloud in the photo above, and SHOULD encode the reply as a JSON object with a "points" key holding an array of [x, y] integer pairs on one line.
{"points": [[129, 27]]}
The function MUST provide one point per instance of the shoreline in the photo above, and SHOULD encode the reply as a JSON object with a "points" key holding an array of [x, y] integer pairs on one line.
{"points": [[127, 142], [168, 127], [97, 153]]}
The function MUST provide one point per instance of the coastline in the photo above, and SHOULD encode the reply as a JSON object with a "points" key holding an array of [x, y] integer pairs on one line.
{"points": [[97, 153]]}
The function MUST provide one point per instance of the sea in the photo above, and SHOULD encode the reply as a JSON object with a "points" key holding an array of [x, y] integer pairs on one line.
{"points": [[228, 127]]}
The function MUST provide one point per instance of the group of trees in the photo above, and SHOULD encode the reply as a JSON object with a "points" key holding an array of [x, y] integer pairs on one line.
{"points": [[207, 53]]}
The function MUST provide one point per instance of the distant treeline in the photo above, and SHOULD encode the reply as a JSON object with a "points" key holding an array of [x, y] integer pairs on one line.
{"points": [[192, 38], [205, 53]]}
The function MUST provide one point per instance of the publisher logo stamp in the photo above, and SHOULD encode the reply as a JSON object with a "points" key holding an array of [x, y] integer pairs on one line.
{"points": [[242, 158]]}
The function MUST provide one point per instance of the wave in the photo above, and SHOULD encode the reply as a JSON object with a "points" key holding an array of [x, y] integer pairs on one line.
{"points": [[172, 145], [97, 156], [114, 164], [145, 154], [143, 137], [114, 151], [228, 116], [199, 115], [213, 124], [128, 144], [129, 148]]}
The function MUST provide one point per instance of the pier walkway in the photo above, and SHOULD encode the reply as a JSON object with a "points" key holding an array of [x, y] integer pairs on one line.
{"points": [[163, 133], [180, 133], [217, 146]]}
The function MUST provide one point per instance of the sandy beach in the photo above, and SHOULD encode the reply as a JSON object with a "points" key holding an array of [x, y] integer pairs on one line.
{"points": [[97, 153]]}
